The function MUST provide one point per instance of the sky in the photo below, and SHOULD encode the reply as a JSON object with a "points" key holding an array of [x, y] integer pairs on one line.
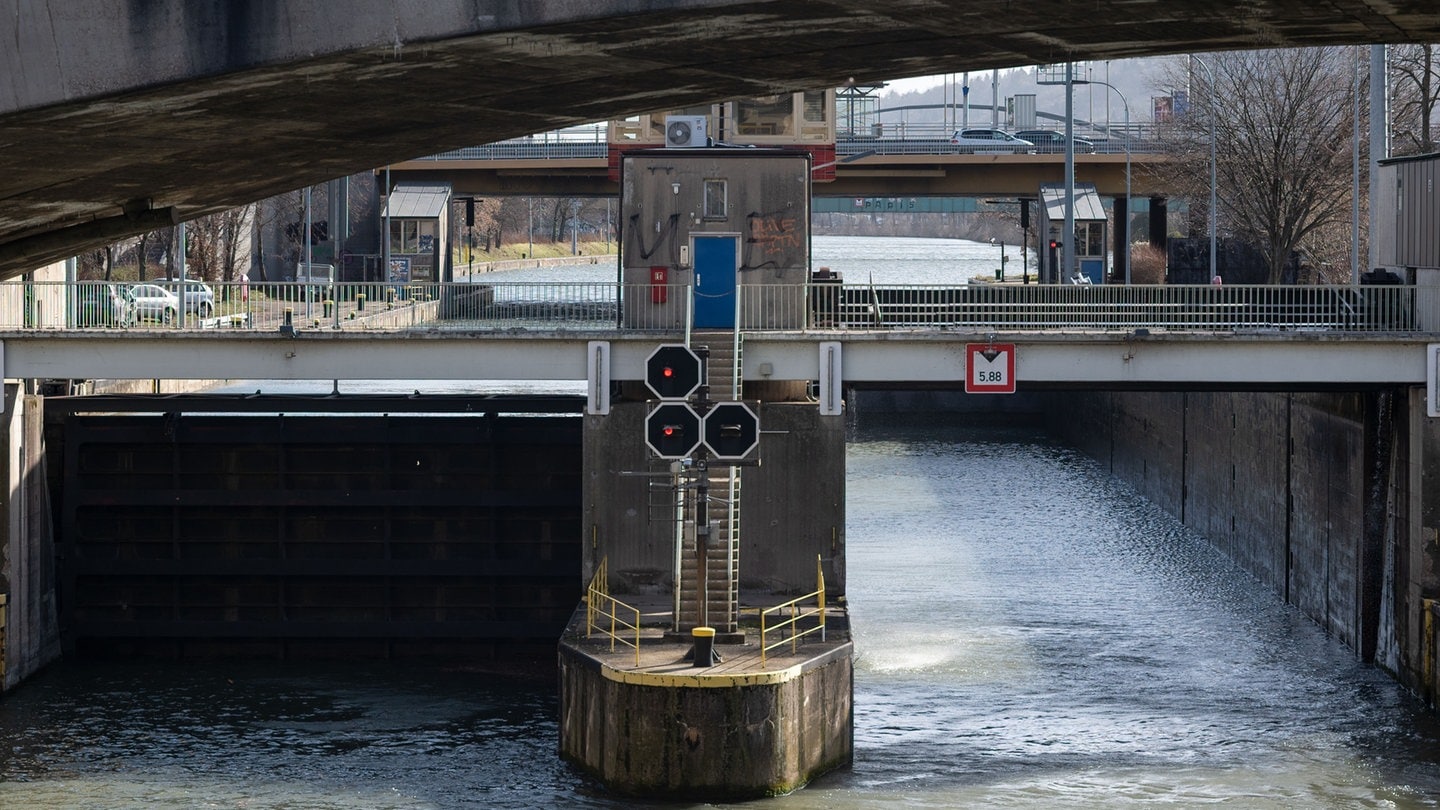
{"points": [[911, 85]]}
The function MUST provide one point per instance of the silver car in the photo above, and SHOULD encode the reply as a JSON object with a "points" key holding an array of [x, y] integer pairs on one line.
{"points": [[989, 141], [155, 303], [198, 295]]}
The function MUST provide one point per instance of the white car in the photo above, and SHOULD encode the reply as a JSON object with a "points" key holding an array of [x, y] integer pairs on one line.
{"points": [[153, 302], [989, 141]]}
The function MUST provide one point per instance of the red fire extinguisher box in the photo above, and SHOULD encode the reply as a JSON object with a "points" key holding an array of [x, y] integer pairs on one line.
{"points": [[659, 283]]}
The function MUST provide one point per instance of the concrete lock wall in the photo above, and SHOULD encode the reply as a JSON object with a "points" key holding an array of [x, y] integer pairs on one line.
{"points": [[1413, 552], [1332, 500], [30, 637], [792, 506]]}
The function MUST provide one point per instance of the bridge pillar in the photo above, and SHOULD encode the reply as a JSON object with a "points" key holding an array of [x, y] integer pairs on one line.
{"points": [[1118, 231], [1158, 216]]}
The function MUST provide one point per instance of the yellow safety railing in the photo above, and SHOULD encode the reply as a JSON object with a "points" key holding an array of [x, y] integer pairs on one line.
{"points": [[797, 615], [600, 606]]}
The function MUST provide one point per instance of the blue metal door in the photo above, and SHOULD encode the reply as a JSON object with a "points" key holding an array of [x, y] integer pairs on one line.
{"points": [[716, 263]]}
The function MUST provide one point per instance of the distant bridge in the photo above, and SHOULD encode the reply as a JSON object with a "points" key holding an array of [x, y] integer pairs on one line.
{"points": [[869, 167]]}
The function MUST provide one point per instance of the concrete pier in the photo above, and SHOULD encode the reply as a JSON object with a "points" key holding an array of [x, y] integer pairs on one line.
{"points": [[655, 725]]}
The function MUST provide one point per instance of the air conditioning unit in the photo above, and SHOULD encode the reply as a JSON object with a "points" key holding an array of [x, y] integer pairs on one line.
{"points": [[685, 130]]}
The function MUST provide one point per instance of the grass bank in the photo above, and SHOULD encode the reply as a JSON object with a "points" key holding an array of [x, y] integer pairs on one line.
{"points": [[540, 250]]}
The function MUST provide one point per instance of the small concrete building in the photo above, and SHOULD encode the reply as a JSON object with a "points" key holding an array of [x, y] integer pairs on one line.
{"points": [[705, 225], [1090, 230], [1406, 240], [418, 218]]}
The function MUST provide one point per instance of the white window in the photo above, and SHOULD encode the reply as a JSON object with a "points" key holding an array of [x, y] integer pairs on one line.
{"points": [[715, 202]]}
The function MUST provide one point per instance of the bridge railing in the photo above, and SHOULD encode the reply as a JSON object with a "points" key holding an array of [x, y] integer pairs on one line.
{"points": [[357, 306], [598, 306], [1379, 308]]}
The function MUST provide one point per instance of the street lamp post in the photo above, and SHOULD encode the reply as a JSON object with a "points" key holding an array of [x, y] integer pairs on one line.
{"points": [[1000, 272], [1211, 75], [1126, 231]]}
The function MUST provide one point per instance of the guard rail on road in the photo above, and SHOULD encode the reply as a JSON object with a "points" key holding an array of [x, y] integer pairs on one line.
{"points": [[819, 306]]}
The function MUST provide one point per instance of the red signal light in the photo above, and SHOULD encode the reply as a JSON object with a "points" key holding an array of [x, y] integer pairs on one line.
{"points": [[669, 430], [668, 372]]}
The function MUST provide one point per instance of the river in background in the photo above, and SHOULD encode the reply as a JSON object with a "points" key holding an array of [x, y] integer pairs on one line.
{"points": [[1029, 633]]}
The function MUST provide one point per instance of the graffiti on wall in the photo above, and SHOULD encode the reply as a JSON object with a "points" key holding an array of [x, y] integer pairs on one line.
{"points": [[773, 240]]}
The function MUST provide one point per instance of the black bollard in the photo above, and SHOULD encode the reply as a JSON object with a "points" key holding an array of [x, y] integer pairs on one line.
{"points": [[704, 647]]}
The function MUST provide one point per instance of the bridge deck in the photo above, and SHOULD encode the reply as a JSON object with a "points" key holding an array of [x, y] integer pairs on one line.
{"points": [[1243, 336]]}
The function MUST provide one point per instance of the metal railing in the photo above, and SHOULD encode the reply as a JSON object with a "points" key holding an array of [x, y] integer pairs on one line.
{"points": [[1339, 308], [601, 606], [797, 615], [361, 306], [606, 306]]}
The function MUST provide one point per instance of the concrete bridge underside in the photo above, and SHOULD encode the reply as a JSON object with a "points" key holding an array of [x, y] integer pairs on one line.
{"points": [[119, 117]]}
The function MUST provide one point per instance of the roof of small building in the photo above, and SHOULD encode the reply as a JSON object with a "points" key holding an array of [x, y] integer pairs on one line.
{"points": [[418, 200], [1087, 202]]}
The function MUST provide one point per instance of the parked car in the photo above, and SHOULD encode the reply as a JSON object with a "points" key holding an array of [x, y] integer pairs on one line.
{"points": [[198, 295], [989, 141], [155, 303], [99, 303], [1049, 141]]}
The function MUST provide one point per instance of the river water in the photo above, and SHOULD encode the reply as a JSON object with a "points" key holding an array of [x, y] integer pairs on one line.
{"points": [[1028, 631]]}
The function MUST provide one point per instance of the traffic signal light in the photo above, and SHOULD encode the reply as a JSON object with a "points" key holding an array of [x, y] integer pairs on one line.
{"points": [[673, 371], [732, 430], [672, 430]]}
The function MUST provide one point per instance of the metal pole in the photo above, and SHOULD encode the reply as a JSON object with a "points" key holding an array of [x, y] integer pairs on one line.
{"points": [[1355, 170], [1126, 102], [995, 99], [1067, 236], [70, 291], [965, 100], [385, 240], [180, 273], [1379, 138], [308, 310], [530, 229], [677, 483]]}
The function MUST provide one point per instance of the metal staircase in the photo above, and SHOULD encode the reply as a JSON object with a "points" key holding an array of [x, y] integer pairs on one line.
{"points": [[722, 489]]}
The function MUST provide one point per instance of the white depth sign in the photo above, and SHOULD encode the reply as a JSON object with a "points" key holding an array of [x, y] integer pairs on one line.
{"points": [[989, 368]]}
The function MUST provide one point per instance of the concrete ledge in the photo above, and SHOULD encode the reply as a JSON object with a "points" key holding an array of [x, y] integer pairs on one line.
{"points": [[720, 739], [703, 680], [662, 728]]}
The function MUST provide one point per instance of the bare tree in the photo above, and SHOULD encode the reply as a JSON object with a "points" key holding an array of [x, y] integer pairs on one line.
{"points": [[217, 243], [1414, 98], [1282, 124]]}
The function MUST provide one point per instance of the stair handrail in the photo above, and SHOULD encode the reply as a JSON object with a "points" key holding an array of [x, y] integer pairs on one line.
{"points": [[796, 616], [599, 604]]}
